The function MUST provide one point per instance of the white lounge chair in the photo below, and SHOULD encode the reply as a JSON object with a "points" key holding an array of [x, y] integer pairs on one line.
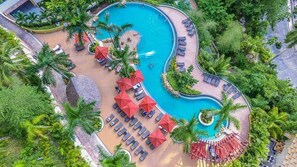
{"points": [[56, 48]]}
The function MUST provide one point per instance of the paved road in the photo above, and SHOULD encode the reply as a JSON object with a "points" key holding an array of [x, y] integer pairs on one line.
{"points": [[27, 38]]}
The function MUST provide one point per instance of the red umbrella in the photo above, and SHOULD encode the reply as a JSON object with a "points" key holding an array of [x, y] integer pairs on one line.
{"points": [[147, 104], [85, 38], [122, 99], [124, 84], [157, 138], [167, 123], [136, 77], [130, 109], [101, 52]]}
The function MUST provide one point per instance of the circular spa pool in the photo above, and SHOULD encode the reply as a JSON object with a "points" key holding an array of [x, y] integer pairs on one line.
{"points": [[156, 44]]}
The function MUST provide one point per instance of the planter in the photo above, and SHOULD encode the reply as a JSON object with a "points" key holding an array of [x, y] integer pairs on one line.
{"points": [[128, 153], [203, 122], [92, 51], [102, 124]]}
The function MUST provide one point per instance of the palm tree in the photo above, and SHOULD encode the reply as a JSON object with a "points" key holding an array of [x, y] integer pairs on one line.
{"points": [[186, 132], [276, 121], [11, 61], [119, 158], [34, 129], [83, 115], [48, 61], [33, 17], [113, 30], [21, 18], [291, 38], [124, 58], [225, 112]]}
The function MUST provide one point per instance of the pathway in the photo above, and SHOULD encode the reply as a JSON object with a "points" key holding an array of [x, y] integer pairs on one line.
{"points": [[190, 59]]}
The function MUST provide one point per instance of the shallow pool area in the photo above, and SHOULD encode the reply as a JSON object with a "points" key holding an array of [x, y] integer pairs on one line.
{"points": [[157, 40]]}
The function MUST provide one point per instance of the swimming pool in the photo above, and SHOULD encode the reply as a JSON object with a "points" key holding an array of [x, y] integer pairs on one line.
{"points": [[156, 44]]}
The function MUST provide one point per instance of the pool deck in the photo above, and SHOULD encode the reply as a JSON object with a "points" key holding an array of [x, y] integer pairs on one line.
{"points": [[190, 59]]}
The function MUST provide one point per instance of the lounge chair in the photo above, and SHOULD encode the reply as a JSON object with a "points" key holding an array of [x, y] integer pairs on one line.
{"points": [[115, 105], [138, 125], [104, 62], [180, 64], [136, 86], [118, 69], [123, 114], [112, 123], [182, 69], [182, 43], [138, 150], [127, 119], [230, 90], [151, 114], [226, 86], [209, 79], [144, 113], [141, 131], [234, 97], [134, 145], [130, 141], [119, 110], [181, 38], [152, 147], [159, 117], [191, 33], [188, 24], [146, 134], [134, 120], [122, 131], [213, 80], [181, 48], [143, 155], [235, 90], [138, 92], [180, 53], [216, 84], [119, 126], [57, 47], [126, 136], [206, 76], [141, 96], [108, 119], [148, 141], [185, 21], [190, 28], [59, 51]]}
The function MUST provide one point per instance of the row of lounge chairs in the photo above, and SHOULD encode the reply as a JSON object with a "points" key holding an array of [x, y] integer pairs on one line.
{"points": [[229, 88], [181, 49], [150, 114], [189, 26], [211, 79]]}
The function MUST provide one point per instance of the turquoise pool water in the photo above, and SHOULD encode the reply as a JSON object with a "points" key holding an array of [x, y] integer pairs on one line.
{"points": [[156, 44]]}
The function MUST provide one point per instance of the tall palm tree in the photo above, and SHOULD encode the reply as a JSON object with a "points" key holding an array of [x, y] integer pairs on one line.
{"points": [[33, 17], [276, 120], [35, 129], [124, 58], [118, 159], [186, 132], [291, 38], [114, 31], [224, 113], [11, 61], [83, 115], [21, 18], [47, 61]]}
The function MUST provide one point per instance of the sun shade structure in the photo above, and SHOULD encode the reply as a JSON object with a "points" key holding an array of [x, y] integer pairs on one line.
{"points": [[167, 123], [85, 38], [157, 138], [147, 104], [122, 99], [137, 77], [130, 109], [101, 52], [198, 150], [124, 84]]}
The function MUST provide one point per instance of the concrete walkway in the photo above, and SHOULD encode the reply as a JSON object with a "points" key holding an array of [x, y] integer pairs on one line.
{"points": [[190, 59]]}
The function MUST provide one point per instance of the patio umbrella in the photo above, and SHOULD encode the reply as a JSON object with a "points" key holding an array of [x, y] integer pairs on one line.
{"points": [[157, 138], [130, 109], [124, 84], [147, 104], [194, 151], [137, 77], [167, 123], [101, 52], [122, 99], [85, 38]]}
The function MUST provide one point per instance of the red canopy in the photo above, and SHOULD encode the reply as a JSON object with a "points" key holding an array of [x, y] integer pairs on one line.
{"points": [[198, 150], [147, 104], [130, 109], [85, 38], [122, 99], [167, 123], [136, 77], [157, 138], [124, 84], [101, 52]]}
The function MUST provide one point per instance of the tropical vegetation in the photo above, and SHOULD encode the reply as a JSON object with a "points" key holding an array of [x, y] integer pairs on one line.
{"points": [[186, 132]]}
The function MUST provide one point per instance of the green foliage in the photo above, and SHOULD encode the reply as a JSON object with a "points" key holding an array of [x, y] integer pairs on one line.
{"points": [[10, 151], [83, 115], [214, 64], [9, 38], [186, 132], [230, 40], [291, 38], [276, 121]]}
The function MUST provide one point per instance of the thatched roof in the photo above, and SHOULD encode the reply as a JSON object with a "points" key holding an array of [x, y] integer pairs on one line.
{"points": [[82, 86], [291, 158]]}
